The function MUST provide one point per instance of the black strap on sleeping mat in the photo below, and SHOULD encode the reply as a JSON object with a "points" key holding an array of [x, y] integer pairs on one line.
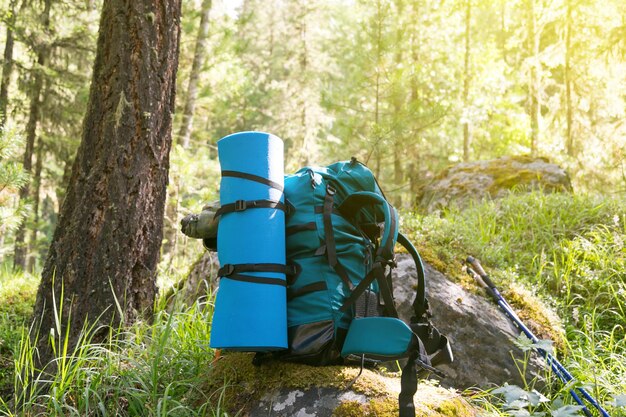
{"points": [[235, 272], [241, 205], [256, 280], [230, 269], [252, 177]]}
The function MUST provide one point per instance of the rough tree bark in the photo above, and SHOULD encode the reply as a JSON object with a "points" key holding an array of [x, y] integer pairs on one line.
{"points": [[105, 248], [34, 114], [194, 76]]}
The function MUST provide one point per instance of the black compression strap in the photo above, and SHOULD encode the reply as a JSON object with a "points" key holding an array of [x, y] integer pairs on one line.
{"points": [[301, 228], [320, 210], [331, 249], [408, 387], [386, 292], [256, 280], [241, 205], [230, 269], [376, 272], [307, 289], [251, 177]]}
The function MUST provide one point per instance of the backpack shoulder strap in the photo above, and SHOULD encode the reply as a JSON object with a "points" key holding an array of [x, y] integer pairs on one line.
{"points": [[420, 304]]}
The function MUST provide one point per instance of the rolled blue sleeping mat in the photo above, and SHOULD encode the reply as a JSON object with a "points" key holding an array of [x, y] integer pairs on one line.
{"points": [[251, 302]]}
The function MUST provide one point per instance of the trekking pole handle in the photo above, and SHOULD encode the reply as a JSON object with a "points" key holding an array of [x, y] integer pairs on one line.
{"points": [[480, 271]]}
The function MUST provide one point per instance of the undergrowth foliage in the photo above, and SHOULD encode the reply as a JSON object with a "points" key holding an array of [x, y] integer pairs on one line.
{"points": [[148, 370], [570, 250]]}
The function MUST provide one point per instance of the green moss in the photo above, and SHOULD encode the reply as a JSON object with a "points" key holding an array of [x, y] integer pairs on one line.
{"points": [[241, 381], [350, 409], [456, 407], [239, 384], [386, 407], [505, 179], [536, 315]]}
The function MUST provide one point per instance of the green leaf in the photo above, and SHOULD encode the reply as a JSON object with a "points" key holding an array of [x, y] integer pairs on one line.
{"points": [[619, 401], [524, 343], [567, 411], [546, 345], [522, 412], [511, 393]]}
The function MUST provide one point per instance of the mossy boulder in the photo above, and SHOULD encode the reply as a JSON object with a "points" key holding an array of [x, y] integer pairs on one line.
{"points": [[285, 389], [470, 181], [482, 337]]}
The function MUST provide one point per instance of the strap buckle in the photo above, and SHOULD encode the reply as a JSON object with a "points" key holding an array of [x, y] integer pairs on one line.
{"points": [[330, 190], [291, 270], [240, 205], [227, 270]]}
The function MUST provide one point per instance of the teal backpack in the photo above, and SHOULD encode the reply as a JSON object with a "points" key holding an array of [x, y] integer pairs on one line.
{"points": [[341, 233]]}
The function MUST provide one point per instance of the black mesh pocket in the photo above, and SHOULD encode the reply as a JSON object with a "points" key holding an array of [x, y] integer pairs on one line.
{"points": [[367, 305]]}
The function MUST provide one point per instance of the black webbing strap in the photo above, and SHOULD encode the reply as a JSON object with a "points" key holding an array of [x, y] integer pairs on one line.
{"points": [[376, 271], [387, 293], [252, 177], [408, 387], [331, 248], [241, 205], [300, 228], [320, 210], [420, 305], [230, 269], [256, 280], [307, 289]]}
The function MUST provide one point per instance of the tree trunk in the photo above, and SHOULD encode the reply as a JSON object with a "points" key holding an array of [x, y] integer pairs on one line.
{"points": [[196, 67], [569, 140], [308, 136], [466, 81], [7, 65], [102, 261], [534, 77], [34, 253], [19, 259], [399, 140]]}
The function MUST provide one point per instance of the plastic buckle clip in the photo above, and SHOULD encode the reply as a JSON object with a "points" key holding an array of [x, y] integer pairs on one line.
{"points": [[330, 190], [228, 269], [240, 205]]}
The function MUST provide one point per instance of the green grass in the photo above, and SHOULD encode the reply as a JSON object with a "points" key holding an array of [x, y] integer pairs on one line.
{"points": [[148, 370], [17, 296], [569, 249]]}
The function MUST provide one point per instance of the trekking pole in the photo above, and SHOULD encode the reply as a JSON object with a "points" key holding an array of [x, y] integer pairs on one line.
{"points": [[475, 269]]}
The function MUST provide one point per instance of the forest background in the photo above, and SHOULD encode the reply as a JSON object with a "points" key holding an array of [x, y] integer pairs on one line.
{"points": [[406, 86]]}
